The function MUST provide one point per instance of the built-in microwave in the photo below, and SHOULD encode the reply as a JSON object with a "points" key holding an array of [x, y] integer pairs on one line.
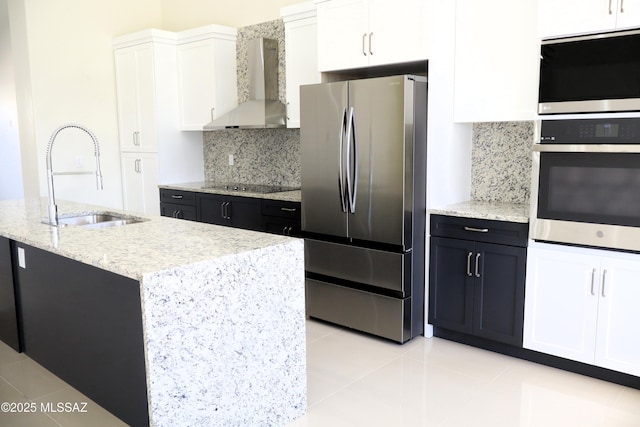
{"points": [[590, 74], [586, 183]]}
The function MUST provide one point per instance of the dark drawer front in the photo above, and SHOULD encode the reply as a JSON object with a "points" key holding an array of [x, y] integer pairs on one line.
{"points": [[175, 210], [281, 209], [177, 196], [480, 230]]}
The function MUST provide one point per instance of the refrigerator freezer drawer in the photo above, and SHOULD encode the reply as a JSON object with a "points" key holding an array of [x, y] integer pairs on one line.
{"points": [[373, 267], [375, 314]]}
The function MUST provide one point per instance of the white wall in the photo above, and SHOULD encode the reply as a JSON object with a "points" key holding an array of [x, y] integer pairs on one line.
{"points": [[65, 73], [10, 163], [179, 15]]}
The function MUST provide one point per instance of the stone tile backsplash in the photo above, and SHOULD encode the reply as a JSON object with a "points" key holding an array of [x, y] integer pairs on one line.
{"points": [[261, 156], [501, 161]]}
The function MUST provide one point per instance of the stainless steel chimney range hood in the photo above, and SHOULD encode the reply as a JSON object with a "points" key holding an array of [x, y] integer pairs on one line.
{"points": [[263, 109]]}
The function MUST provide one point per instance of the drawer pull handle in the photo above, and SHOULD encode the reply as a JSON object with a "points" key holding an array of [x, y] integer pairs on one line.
{"points": [[176, 196], [477, 230], [469, 255], [288, 209]]}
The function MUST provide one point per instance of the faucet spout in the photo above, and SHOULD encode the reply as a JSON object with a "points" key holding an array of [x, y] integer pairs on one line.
{"points": [[52, 207]]}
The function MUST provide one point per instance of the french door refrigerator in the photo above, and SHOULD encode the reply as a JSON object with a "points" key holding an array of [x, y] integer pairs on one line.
{"points": [[363, 179]]}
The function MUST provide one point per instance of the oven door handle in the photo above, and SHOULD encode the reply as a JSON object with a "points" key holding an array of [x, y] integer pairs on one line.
{"points": [[587, 148]]}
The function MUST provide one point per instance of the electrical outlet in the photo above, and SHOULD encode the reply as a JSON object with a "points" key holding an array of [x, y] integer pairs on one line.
{"points": [[230, 159]]}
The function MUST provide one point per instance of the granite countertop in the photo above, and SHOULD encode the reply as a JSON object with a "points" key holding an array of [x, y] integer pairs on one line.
{"points": [[499, 211], [205, 187], [131, 250]]}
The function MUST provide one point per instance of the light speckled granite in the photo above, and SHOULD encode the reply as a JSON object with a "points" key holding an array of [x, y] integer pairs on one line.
{"points": [[499, 211], [261, 156], [501, 161], [205, 187], [223, 310], [226, 356]]}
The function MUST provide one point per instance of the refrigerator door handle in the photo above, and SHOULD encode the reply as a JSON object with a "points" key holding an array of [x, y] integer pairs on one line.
{"points": [[341, 189], [352, 160]]}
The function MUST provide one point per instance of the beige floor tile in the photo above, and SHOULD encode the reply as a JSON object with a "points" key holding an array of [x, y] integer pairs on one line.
{"points": [[79, 415], [31, 379]]}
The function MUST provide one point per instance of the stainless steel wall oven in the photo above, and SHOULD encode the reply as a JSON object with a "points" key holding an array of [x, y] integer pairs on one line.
{"points": [[586, 183]]}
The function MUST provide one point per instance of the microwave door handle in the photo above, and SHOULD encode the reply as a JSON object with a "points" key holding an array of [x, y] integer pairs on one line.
{"points": [[341, 189], [354, 135]]}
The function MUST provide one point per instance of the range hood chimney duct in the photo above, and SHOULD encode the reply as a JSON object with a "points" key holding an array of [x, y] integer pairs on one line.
{"points": [[263, 109]]}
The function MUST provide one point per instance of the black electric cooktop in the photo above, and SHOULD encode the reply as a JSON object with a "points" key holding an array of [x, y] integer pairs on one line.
{"points": [[250, 188]]}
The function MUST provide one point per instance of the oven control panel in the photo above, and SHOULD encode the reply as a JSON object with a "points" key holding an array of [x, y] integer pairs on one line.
{"points": [[591, 131]]}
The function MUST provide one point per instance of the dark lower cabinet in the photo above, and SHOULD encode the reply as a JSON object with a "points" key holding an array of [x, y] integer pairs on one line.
{"points": [[178, 204], [240, 212], [272, 216], [84, 324], [8, 315], [476, 287], [281, 217]]}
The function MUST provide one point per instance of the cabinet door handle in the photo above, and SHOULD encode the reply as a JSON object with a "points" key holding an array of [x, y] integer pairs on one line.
{"points": [[364, 37], [222, 210], [604, 278], [469, 255], [288, 209], [137, 166], [174, 213], [176, 196], [370, 43], [477, 265], [610, 11], [593, 275], [621, 6], [179, 214], [212, 110], [477, 230], [136, 138]]}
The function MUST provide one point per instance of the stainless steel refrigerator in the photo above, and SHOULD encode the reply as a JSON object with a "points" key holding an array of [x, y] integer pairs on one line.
{"points": [[363, 176]]}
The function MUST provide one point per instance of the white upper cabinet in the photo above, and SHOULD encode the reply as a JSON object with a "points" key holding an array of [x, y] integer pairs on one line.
{"points": [[301, 50], [362, 33], [135, 85], [496, 61], [571, 17], [207, 82]]}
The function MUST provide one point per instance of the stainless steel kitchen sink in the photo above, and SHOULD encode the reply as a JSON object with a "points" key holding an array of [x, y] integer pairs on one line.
{"points": [[97, 220]]}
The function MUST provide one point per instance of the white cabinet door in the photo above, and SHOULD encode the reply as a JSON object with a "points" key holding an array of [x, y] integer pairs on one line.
{"points": [[301, 38], [135, 85], [489, 85], [570, 17], [618, 342], [561, 303], [628, 14], [140, 183], [207, 85], [343, 32], [398, 31]]}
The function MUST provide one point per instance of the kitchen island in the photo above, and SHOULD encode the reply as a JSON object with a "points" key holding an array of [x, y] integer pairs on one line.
{"points": [[221, 310]]}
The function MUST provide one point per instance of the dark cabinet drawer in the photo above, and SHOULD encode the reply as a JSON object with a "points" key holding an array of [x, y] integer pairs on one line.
{"points": [[480, 230], [281, 209], [174, 210], [178, 197]]}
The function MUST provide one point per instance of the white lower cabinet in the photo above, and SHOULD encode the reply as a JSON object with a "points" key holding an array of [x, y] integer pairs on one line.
{"points": [[140, 182], [580, 304]]}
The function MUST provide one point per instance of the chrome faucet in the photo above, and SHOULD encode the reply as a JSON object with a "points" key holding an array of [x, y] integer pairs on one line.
{"points": [[53, 208]]}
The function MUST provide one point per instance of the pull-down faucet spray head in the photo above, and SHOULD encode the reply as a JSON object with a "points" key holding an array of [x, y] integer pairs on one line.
{"points": [[52, 208]]}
